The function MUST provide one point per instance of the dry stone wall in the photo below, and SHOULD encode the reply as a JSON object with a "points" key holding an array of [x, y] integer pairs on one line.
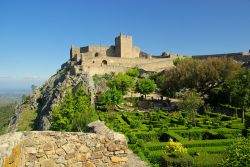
{"points": [[66, 149]]}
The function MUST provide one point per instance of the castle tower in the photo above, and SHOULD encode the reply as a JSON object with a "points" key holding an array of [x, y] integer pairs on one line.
{"points": [[124, 46]]}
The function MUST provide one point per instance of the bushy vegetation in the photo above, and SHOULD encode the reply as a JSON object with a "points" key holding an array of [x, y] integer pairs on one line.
{"points": [[74, 112], [6, 112], [111, 98], [145, 86], [149, 133], [202, 75], [238, 154]]}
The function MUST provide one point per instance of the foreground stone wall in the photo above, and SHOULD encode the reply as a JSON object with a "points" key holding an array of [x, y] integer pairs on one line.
{"points": [[65, 149]]}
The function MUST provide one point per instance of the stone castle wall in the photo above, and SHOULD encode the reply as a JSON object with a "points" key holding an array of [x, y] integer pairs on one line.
{"points": [[243, 57], [98, 50], [60, 149], [105, 64]]}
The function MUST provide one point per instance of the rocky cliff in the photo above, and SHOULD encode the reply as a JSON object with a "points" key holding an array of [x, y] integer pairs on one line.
{"points": [[48, 95]]}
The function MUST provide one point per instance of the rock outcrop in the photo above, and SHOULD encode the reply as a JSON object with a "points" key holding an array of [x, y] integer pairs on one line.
{"points": [[52, 92]]}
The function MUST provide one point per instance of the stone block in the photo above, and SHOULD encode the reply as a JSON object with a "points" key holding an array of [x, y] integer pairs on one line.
{"points": [[69, 148], [119, 159], [48, 147], [47, 163]]}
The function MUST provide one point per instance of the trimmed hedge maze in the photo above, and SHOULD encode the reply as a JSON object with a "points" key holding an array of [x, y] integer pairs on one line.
{"points": [[148, 133]]}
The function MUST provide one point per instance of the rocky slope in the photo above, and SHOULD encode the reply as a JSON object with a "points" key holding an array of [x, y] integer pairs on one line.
{"points": [[48, 95]]}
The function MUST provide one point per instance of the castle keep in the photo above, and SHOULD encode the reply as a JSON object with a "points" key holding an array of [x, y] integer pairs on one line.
{"points": [[123, 48], [115, 58]]}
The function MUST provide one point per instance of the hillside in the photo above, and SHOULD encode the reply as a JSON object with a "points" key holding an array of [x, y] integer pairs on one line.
{"points": [[38, 106]]}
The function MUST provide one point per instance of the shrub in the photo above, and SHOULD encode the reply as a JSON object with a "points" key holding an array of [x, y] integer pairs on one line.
{"points": [[147, 136], [177, 159], [134, 72], [135, 124], [175, 147], [207, 143], [238, 154], [74, 112]]}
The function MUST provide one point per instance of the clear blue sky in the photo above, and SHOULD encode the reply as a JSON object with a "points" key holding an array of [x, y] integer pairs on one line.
{"points": [[35, 35]]}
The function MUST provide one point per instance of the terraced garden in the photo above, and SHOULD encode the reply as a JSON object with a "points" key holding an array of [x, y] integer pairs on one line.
{"points": [[148, 133]]}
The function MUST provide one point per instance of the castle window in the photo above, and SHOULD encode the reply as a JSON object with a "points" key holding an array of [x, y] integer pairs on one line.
{"points": [[104, 62], [96, 54]]}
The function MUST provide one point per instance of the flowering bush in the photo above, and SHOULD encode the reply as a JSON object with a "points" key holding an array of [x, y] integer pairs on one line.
{"points": [[175, 147]]}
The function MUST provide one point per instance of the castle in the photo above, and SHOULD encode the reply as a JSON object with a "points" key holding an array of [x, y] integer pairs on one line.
{"points": [[124, 55], [116, 58]]}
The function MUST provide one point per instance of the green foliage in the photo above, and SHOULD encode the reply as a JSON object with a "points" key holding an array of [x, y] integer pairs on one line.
{"points": [[111, 98], [74, 112], [191, 102], [134, 72], [6, 112], [202, 75], [145, 86], [151, 145], [179, 60], [147, 136], [27, 118], [81, 119], [177, 159], [238, 154], [237, 90], [122, 83], [172, 147]]}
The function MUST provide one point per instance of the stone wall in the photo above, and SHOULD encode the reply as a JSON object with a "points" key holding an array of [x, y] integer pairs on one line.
{"points": [[61, 149], [98, 50], [242, 57], [105, 64]]}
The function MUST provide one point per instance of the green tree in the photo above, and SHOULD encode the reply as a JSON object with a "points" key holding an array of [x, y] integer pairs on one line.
{"points": [[122, 83], [134, 72], [74, 112], [145, 86], [238, 154], [191, 102], [82, 119], [202, 75], [238, 91], [63, 114], [111, 98]]}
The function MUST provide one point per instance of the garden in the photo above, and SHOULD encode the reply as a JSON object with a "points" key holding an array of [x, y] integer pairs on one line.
{"points": [[149, 132], [196, 114]]}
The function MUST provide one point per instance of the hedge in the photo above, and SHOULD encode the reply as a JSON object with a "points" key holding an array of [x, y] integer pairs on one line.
{"points": [[147, 136], [175, 136], [183, 160], [155, 156], [156, 146], [210, 150], [207, 143]]}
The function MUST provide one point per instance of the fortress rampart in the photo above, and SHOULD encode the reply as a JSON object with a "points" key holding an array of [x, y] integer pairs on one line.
{"points": [[124, 55], [118, 58], [242, 57]]}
